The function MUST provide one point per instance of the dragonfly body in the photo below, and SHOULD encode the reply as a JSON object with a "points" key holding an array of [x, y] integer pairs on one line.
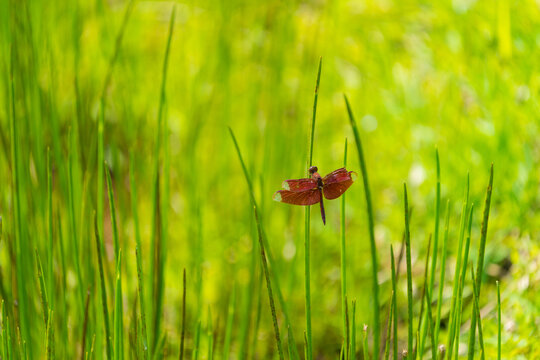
{"points": [[309, 191]]}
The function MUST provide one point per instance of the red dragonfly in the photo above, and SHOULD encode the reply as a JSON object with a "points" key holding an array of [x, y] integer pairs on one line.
{"points": [[310, 191]]}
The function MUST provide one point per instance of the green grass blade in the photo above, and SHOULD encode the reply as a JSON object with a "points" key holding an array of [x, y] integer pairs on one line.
{"points": [[409, 274], [118, 312], [267, 251], [138, 249], [50, 276], [436, 231], [344, 266], [443, 271], [394, 302], [74, 229], [477, 311], [435, 243], [422, 328], [103, 291], [371, 226], [481, 252], [353, 330], [499, 321], [455, 288], [142, 308], [307, 238], [20, 243], [389, 328], [463, 275], [49, 344], [101, 119], [43, 290], [195, 353], [85, 325], [112, 208], [314, 115], [262, 249], [156, 269]]}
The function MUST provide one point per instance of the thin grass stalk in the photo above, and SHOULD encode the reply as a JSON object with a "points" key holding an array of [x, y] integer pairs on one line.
{"points": [[282, 302], [142, 308], [371, 226], [463, 275], [477, 310], [49, 335], [422, 324], [499, 321], [6, 333], [85, 324], [290, 344], [344, 265], [275, 278], [436, 231], [455, 288], [112, 207], [347, 355], [443, 270], [353, 331], [307, 241], [20, 248], [74, 229], [160, 347], [430, 326], [138, 249], [63, 282], [409, 274], [261, 245], [394, 303], [50, 278], [435, 241], [389, 328], [43, 290], [103, 291], [101, 119], [195, 353], [481, 252], [183, 335], [156, 275], [118, 312], [305, 346]]}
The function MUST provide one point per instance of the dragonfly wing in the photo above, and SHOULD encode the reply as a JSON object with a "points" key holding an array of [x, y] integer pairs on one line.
{"points": [[307, 197], [337, 182], [298, 185]]}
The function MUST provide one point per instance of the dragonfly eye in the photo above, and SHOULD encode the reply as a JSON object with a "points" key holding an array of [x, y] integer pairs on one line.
{"points": [[313, 169]]}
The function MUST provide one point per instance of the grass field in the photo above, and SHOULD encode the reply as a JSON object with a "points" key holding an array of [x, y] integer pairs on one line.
{"points": [[141, 143]]}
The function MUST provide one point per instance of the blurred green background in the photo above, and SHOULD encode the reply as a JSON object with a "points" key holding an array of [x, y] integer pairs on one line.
{"points": [[460, 76]]}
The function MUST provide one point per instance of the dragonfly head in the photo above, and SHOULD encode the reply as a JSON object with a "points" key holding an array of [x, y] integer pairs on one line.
{"points": [[313, 169]]}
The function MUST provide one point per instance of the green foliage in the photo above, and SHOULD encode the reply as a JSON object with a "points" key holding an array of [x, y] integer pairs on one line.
{"points": [[149, 88]]}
